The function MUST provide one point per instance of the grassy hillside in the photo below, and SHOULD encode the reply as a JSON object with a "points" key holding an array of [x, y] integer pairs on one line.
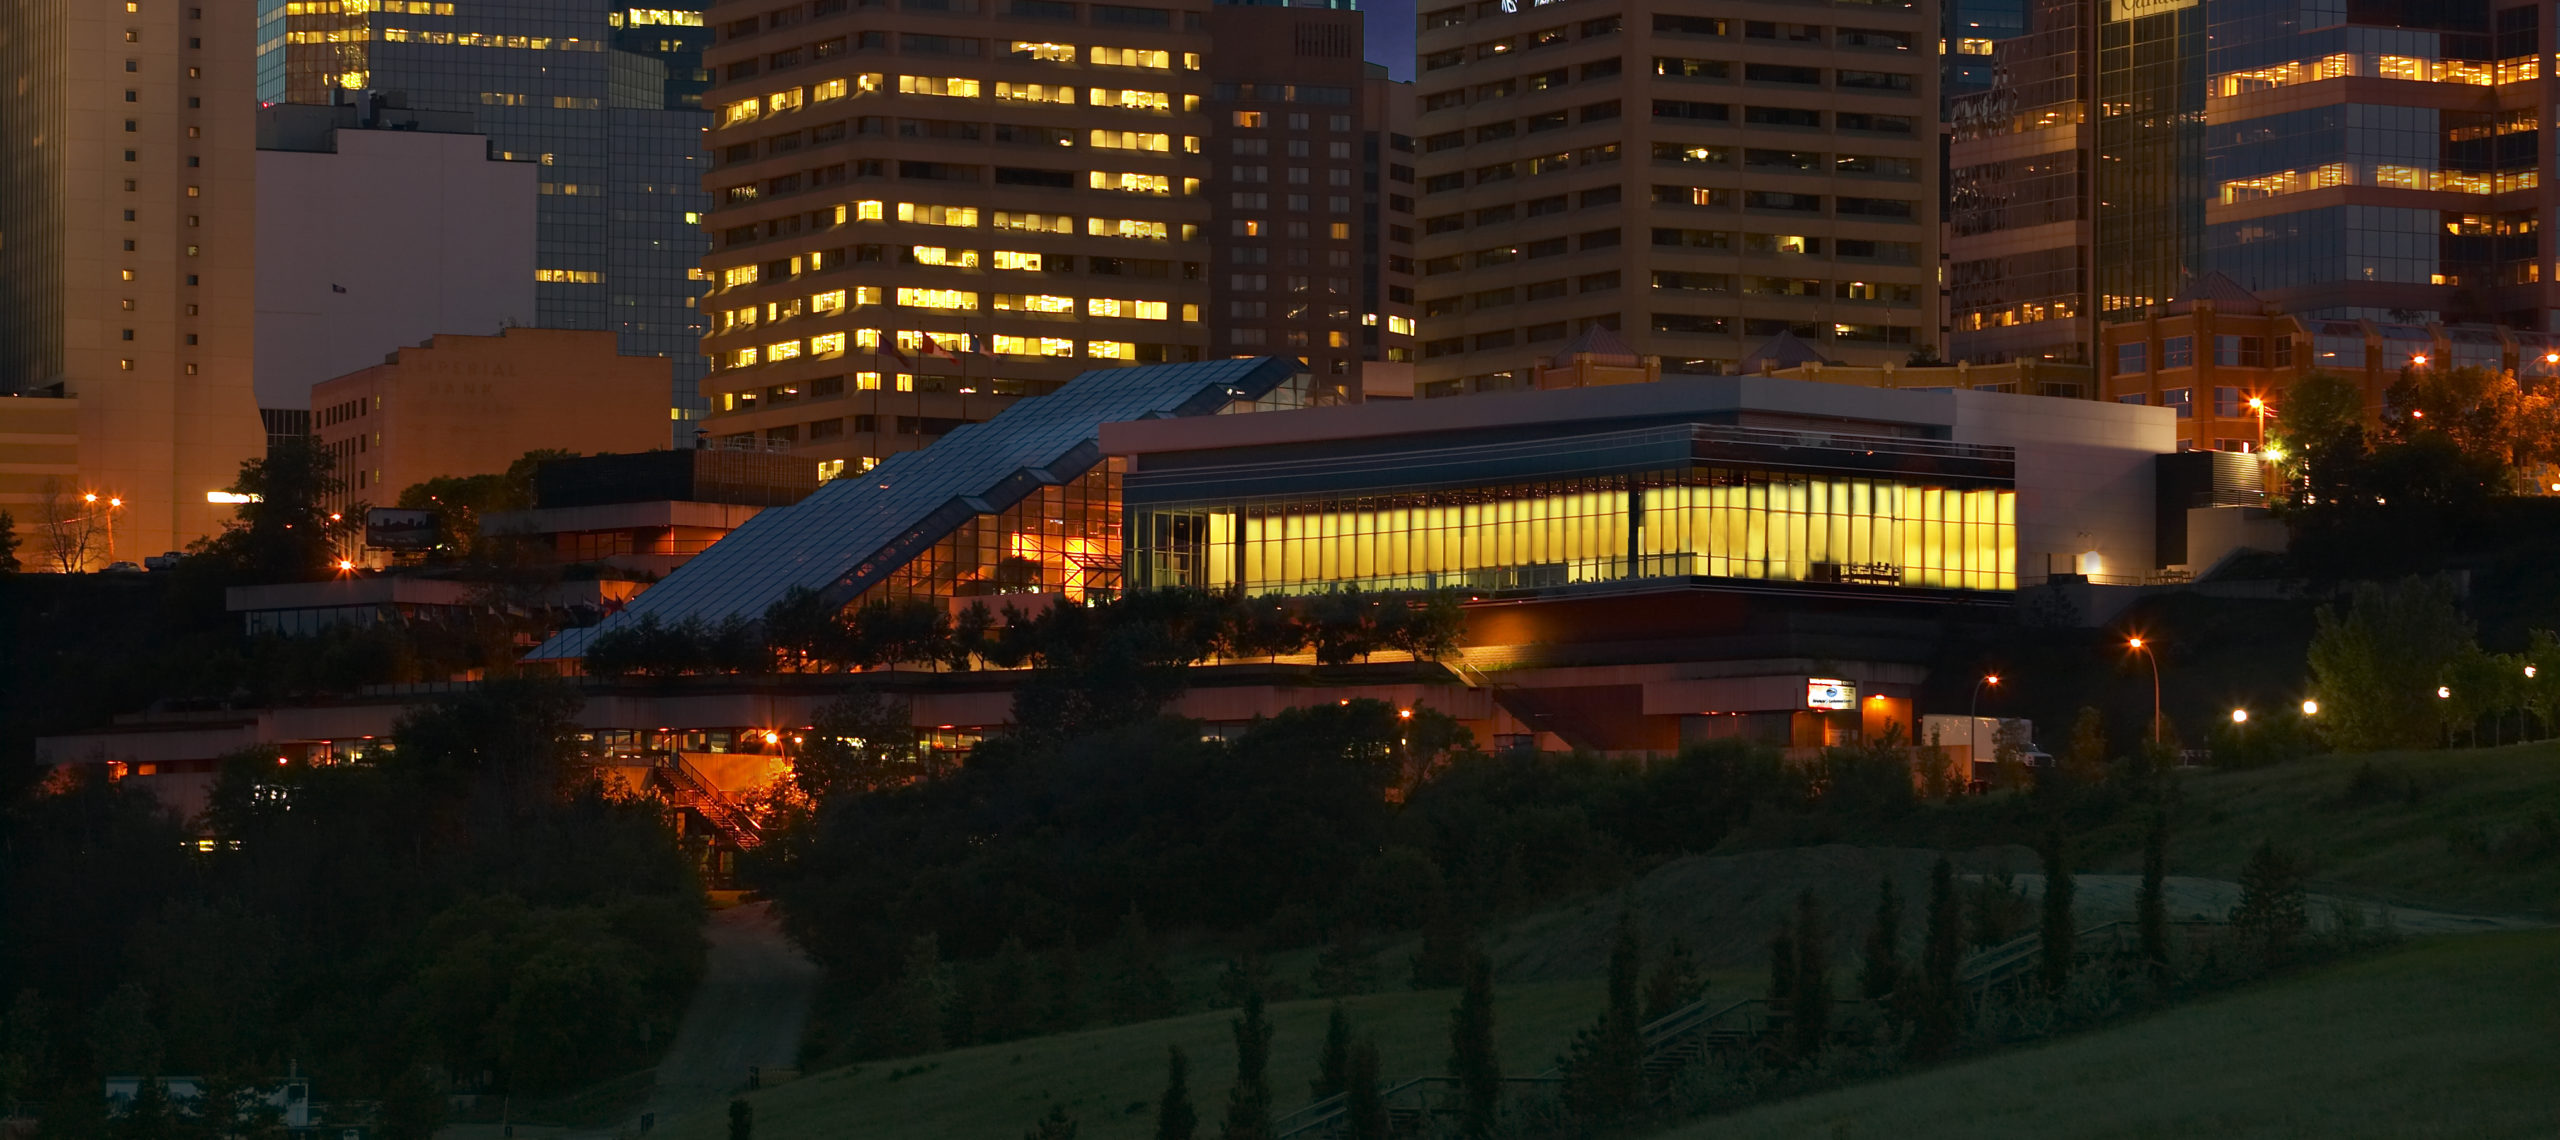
{"points": [[2465, 829], [1110, 1078], [2450, 1037]]}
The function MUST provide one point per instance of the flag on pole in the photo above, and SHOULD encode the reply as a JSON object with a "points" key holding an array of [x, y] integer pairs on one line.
{"points": [[934, 347]]}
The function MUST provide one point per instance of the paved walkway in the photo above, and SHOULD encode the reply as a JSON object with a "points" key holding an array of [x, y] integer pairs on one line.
{"points": [[750, 1012]]}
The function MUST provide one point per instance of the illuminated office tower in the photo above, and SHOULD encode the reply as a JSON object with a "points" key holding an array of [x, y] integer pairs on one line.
{"points": [[922, 213], [2021, 219], [127, 238], [607, 98], [1699, 183]]}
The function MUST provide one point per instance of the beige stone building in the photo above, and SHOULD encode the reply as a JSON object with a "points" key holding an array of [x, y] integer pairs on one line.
{"points": [[127, 233], [471, 405], [1698, 183]]}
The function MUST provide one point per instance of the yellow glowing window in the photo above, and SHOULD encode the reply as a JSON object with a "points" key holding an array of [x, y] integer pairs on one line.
{"points": [[1034, 303], [936, 298], [866, 294], [862, 212], [1035, 223], [828, 302], [1114, 307], [739, 318], [1138, 228], [782, 101], [743, 358], [826, 344], [1015, 259], [1403, 326], [830, 469], [866, 381], [1131, 100], [1133, 140], [931, 215], [940, 255], [1132, 57], [1191, 313], [1191, 61], [786, 350], [782, 310], [568, 276], [1037, 92], [737, 275], [906, 381], [1045, 52], [866, 338], [1132, 183], [1971, 45], [1248, 118], [950, 86], [1110, 350], [830, 89], [642, 17]]}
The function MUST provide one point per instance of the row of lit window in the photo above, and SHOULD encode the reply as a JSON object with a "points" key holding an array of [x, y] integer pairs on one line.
{"points": [[2340, 65], [359, 7], [835, 300], [647, 17], [869, 340], [952, 87], [555, 102], [2391, 175], [2024, 313], [481, 39], [1101, 56]]}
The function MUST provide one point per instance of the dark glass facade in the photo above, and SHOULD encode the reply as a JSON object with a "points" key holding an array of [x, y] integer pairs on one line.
{"points": [[607, 99], [2150, 180]]}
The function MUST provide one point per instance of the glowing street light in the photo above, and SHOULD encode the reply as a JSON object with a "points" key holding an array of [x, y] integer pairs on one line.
{"points": [[2444, 692], [2144, 648], [2239, 716], [2310, 708], [1991, 679]]}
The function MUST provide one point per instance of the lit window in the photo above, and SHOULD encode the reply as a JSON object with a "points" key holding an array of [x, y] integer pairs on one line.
{"points": [[1114, 307], [1128, 228], [1132, 140], [1132, 57], [737, 275], [862, 212], [781, 101], [939, 255], [742, 358], [1131, 100], [1046, 52], [588, 276], [1015, 259], [826, 344], [828, 302], [831, 89], [1034, 303], [1248, 118], [930, 215], [955, 87], [784, 350], [1110, 350], [936, 298], [1035, 223], [1131, 183], [1037, 92], [866, 381]]}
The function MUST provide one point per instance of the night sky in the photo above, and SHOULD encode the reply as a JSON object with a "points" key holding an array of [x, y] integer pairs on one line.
{"points": [[1390, 34]]}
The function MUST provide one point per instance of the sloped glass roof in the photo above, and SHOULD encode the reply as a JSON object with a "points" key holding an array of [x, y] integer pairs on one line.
{"points": [[857, 528]]}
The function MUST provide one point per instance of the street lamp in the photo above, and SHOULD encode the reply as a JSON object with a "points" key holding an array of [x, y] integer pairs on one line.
{"points": [[2310, 708], [2239, 716], [1992, 679], [2444, 692], [2142, 647]]}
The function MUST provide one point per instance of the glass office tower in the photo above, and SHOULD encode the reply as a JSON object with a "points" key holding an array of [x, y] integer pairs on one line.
{"points": [[608, 99], [2150, 177]]}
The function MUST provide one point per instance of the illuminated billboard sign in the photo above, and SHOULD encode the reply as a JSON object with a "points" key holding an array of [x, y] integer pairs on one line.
{"points": [[1830, 693]]}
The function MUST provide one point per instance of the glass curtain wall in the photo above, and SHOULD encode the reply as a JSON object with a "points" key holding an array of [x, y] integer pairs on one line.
{"points": [[1059, 540], [1717, 522], [2151, 132]]}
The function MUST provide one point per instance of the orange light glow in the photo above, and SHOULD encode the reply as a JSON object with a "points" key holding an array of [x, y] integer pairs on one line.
{"points": [[2134, 642]]}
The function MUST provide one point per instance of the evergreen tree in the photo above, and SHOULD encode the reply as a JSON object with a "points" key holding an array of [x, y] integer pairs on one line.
{"points": [[122, 1037], [1055, 1126], [1364, 1109], [917, 1004], [1604, 1067], [8, 543], [742, 1119], [1809, 1010], [1175, 1119], [150, 1115], [1677, 983], [2270, 919], [1940, 957], [1782, 965], [1066, 1010], [1012, 999], [1995, 910], [1333, 1068], [1471, 1055], [1138, 988], [2151, 908], [2060, 940], [23, 1055], [1249, 1102], [1881, 973], [1446, 942], [1245, 977]]}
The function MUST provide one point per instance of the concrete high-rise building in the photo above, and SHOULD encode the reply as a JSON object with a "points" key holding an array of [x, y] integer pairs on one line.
{"points": [[378, 228], [1698, 183], [127, 232], [606, 99], [1388, 186]]}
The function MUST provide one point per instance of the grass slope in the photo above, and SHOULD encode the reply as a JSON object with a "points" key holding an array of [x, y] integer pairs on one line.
{"points": [[1110, 1078], [2450, 1037], [2390, 845]]}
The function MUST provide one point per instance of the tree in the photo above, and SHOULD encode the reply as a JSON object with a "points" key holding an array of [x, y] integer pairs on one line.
{"points": [[2060, 940], [1249, 1102], [742, 1119], [150, 1115], [2151, 907], [1333, 1066], [1677, 983], [284, 529], [8, 543], [2376, 666], [24, 1057], [1055, 1126], [76, 526], [2270, 920], [860, 743], [122, 1036], [1175, 1118], [916, 1005], [1604, 1066], [461, 504], [1995, 910], [1881, 973], [1809, 1006], [2086, 759], [1471, 1054], [1347, 965], [1364, 1109], [1137, 988], [1012, 993], [1941, 955]]}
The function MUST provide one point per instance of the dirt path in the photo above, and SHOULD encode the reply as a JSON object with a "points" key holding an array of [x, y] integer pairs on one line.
{"points": [[749, 1012]]}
